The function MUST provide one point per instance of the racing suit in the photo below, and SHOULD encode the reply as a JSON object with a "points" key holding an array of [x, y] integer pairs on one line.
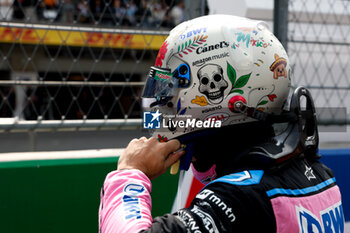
{"points": [[301, 196]]}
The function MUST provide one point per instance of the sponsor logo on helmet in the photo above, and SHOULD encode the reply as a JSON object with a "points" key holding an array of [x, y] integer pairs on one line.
{"points": [[207, 48], [194, 32], [202, 61], [160, 75], [212, 109]]}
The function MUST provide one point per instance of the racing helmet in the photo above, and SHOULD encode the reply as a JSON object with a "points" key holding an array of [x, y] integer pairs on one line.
{"points": [[218, 70], [211, 69]]}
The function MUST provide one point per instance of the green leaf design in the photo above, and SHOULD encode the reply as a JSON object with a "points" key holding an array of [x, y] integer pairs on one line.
{"points": [[237, 91], [242, 81], [231, 73], [178, 48], [263, 102]]}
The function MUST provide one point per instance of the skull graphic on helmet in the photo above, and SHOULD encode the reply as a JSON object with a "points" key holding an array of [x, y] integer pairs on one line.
{"points": [[212, 83]]}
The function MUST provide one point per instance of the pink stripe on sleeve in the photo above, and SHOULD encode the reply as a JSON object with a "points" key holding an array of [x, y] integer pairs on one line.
{"points": [[125, 204]]}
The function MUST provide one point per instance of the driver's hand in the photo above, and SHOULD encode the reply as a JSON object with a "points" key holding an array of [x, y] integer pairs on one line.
{"points": [[150, 156]]}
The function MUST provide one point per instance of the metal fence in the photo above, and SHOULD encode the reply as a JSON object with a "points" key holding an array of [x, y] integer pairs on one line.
{"points": [[78, 64], [93, 79], [318, 43], [81, 64]]}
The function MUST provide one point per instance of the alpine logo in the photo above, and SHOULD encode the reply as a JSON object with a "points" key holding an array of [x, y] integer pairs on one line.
{"points": [[309, 173], [331, 220]]}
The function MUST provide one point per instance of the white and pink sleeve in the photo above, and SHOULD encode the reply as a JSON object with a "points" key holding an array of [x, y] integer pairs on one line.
{"points": [[125, 204]]}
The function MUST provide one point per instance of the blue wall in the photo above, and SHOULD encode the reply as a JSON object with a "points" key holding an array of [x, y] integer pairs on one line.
{"points": [[339, 161]]}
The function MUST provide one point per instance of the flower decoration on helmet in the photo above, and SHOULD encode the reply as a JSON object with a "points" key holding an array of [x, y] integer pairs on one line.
{"points": [[161, 54]]}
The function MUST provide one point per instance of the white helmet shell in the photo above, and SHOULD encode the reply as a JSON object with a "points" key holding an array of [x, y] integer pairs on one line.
{"points": [[233, 61]]}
